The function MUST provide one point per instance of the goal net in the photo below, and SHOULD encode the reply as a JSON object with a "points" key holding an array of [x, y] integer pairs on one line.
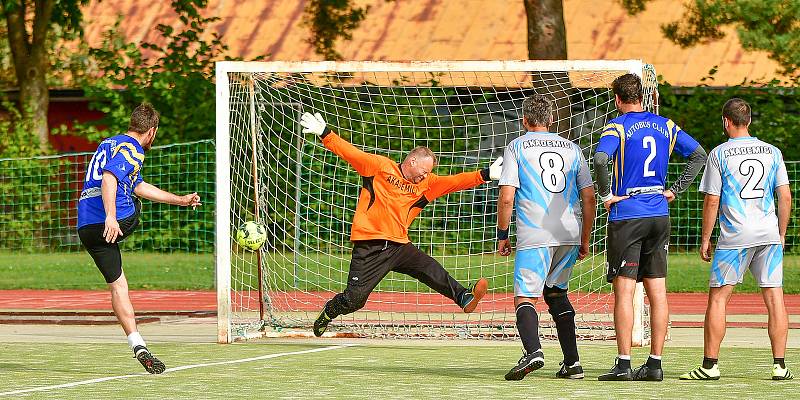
{"points": [[305, 196]]}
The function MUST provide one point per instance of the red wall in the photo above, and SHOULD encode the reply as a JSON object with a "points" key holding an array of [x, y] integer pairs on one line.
{"points": [[65, 112]]}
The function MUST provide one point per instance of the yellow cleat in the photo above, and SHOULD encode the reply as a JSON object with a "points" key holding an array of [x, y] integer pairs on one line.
{"points": [[702, 374]]}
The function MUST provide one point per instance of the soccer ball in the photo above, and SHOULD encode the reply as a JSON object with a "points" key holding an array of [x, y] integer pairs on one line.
{"points": [[251, 235]]}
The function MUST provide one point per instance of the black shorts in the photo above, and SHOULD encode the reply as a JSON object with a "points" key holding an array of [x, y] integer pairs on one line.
{"points": [[106, 255], [637, 248]]}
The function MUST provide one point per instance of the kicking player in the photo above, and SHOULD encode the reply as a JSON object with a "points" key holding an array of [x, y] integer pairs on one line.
{"points": [[741, 178], [640, 144], [547, 179], [392, 195], [108, 212]]}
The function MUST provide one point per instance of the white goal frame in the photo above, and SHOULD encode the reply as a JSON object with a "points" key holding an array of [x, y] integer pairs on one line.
{"points": [[223, 143]]}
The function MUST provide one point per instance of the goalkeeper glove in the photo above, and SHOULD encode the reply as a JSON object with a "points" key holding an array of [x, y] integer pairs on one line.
{"points": [[496, 169], [313, 123]]}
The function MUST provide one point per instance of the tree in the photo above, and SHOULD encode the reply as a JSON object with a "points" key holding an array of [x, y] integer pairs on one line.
{"points": [[174, 72], [30, 26], [547, 35], [766, 25]]}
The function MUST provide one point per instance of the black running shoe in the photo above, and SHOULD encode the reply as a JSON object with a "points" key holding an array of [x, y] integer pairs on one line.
{"points": [[645, 373], [148, 361], [527, 364], [617, 373], [321, 323], [573, 372]]}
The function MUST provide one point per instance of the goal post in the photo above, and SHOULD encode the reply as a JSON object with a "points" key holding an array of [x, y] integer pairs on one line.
{"points": [[466, 111]]}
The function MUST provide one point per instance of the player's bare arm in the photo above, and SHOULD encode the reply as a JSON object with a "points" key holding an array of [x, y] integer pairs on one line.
{"points": [[108, 189], [784, 210], [151, 192], [710, 207], [505, 205], [588, 209]]}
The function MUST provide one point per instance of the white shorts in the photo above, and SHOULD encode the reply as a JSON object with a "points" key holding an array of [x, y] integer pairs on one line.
{"points": [[765, 263], [543, 266]]}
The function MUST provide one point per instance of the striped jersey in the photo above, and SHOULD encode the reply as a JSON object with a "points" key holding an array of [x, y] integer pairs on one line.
{"points": [[123, 156], [548, 172], [640, 145], [745, 172]]}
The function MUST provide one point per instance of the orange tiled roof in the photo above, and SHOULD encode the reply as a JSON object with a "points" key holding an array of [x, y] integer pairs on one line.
{"points": [[452, 30]]}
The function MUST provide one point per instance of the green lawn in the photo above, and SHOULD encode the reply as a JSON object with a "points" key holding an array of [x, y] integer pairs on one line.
{"points": [[182, 271], [377, 371]]}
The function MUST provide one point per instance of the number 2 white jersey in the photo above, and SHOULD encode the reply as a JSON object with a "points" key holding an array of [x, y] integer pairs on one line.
{"points": [[548, 172], [745, 172]]}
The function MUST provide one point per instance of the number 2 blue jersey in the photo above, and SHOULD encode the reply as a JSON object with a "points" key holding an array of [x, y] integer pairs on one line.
{"points": [[123, 156], [640, 144]]}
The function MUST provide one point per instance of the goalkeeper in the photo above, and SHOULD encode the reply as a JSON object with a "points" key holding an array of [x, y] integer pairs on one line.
{"points": [[392, 195]]}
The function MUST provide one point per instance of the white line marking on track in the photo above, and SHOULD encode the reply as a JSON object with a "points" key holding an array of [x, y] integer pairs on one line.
{"points": [[175, 369]]}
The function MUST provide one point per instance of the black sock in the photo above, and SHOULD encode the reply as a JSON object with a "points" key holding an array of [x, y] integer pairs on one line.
{"points": [[565, 327], [528, 327], [709, 362], [624, 364], [779, 361], [653, 363]]}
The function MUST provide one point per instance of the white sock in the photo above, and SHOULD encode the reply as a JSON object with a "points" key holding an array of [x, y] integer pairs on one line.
{"points": [[655, 357], [135, 339], [624, 357]]}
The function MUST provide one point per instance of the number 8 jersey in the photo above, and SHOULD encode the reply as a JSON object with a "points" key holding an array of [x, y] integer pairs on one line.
{"points": [[745, 172], [548, 172], [640, 144], [123, 156]]}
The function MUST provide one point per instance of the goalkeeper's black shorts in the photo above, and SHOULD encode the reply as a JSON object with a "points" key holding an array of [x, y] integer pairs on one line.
{"points": [[106, 255]]}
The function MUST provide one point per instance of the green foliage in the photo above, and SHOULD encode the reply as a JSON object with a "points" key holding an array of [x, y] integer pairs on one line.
{"points": [[762, 25], [330, 20], [174, 73]]}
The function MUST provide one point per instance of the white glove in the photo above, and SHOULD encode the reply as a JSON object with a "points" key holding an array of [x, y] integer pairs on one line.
{"points": [[312, 123], [496, 169]]}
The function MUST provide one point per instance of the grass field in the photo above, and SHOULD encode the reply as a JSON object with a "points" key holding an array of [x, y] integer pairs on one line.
{"points": [[379, 371], [181, 271]]}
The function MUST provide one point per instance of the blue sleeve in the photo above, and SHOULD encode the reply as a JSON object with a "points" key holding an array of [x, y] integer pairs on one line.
{"points": [[610, 138], [685, 145], [608, 144]]}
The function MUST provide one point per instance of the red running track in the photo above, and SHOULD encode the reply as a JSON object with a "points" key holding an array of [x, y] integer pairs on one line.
{"points": [[161, 300]]}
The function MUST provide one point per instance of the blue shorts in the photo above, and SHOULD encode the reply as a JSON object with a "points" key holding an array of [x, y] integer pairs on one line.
{"points": [[543, 266], [765, 262]]}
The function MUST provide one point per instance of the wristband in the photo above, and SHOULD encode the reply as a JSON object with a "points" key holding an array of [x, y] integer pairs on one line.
{"points": [[502, 234], [607, 197]]}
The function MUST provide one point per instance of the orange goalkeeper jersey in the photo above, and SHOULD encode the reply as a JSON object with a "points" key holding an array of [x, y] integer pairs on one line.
{"points": [[389, 203]]}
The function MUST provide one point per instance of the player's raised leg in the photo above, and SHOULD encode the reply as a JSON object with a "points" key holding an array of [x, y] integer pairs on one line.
{"points": [[416, 264]]}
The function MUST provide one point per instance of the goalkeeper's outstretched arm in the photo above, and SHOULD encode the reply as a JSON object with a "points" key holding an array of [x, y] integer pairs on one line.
{"points": [[442, 185], [364, 163], [150, 192]]}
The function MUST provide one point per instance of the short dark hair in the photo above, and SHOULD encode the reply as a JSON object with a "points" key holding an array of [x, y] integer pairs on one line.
{"points": [[143, 118], [737, 111], [629, 89], [537, 110], [423, 152]]}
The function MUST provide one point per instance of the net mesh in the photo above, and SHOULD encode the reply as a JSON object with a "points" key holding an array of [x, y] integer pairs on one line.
{"points": [[306, 196]]}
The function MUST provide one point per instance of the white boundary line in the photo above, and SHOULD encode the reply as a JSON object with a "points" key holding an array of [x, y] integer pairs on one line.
{"points": [[168, 370]]}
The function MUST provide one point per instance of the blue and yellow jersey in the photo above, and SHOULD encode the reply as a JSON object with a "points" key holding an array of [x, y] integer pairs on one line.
{"points": [[640, 145], [123, 156]]}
